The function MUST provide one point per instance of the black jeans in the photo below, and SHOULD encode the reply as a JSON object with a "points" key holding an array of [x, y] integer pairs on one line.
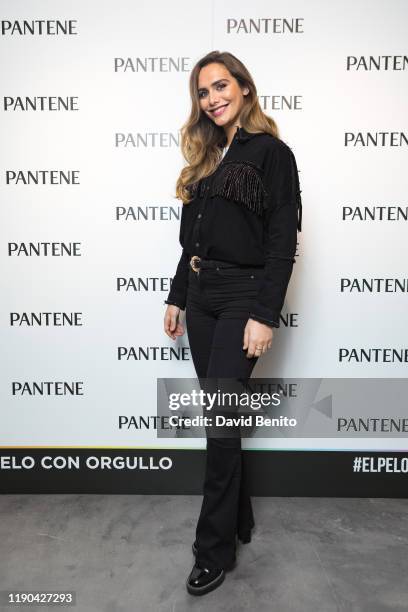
{"points": [[217, 310]]}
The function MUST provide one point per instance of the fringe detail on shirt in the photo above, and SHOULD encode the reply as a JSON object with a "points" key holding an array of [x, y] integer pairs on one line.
{"points": [[241, 182]]}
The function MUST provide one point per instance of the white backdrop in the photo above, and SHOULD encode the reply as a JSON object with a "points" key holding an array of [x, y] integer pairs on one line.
{"points": [[151, 104]]}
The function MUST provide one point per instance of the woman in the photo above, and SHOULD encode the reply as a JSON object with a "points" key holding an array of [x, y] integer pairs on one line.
{"points": [[241, 213]]}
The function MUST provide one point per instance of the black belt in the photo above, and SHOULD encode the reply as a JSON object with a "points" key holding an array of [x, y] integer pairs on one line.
{"points": [[199, 263]]}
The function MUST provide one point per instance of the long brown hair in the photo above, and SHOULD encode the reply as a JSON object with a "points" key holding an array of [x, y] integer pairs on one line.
{"points": [[201, 139]]}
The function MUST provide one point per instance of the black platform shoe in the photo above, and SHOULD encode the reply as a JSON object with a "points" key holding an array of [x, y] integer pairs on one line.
{"points": [[203, 580]]}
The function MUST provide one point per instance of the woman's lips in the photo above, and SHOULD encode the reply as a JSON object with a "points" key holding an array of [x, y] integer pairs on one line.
{"points": [[219, 111]]}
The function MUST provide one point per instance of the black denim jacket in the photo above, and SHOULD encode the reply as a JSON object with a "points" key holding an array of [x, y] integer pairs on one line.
{"points": [[248, 211]]}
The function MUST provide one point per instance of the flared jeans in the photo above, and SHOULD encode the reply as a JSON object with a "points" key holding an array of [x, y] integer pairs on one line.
{"points": [[219, 301]]}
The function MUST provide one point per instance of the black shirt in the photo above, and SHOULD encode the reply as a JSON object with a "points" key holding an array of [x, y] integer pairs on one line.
{"points": [[248, 211]]}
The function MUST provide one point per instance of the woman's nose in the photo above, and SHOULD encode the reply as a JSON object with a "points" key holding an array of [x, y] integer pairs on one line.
{"points": [[213, 100]]}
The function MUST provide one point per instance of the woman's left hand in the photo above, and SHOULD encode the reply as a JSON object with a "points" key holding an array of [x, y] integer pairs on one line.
{"points": [[257, 338]]}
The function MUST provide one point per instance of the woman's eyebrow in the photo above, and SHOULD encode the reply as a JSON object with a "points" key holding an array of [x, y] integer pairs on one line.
{"points": [[214, 83]]}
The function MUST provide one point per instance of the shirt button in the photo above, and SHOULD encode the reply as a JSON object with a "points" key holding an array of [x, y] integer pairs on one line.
{"points": [[199, 216], [197, 244]]}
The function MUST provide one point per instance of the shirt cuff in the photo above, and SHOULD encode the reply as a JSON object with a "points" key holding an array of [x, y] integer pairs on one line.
{"points": [[271, 322], [174, 303]]}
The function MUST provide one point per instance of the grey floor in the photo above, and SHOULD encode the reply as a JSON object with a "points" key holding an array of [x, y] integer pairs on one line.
{"points": [[125, 553]]}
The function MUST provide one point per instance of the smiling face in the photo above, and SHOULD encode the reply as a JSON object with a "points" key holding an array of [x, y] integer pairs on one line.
{"points": [[221, 97]]}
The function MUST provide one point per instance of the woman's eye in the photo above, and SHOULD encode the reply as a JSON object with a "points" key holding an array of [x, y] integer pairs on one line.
{"points": [[202, 94]]}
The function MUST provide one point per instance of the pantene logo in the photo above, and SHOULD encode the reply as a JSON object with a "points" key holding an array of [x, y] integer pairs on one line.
{"points": [[266, 25]]}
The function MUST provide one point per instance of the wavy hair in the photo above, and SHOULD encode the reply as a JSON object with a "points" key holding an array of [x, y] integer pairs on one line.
{"points": [[201, 139]]}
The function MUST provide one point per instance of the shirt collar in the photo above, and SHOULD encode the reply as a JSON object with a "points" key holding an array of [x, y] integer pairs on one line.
{"points": [[242, 136]]}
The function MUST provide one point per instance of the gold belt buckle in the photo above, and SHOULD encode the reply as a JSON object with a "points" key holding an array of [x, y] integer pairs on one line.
{"points": [[193, 260]]}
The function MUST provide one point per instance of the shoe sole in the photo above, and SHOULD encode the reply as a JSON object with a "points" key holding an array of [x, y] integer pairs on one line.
{"points": [[208, 587]]}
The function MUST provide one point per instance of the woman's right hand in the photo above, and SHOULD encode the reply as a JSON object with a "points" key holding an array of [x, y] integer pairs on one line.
{"points": [[172, 325]]}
